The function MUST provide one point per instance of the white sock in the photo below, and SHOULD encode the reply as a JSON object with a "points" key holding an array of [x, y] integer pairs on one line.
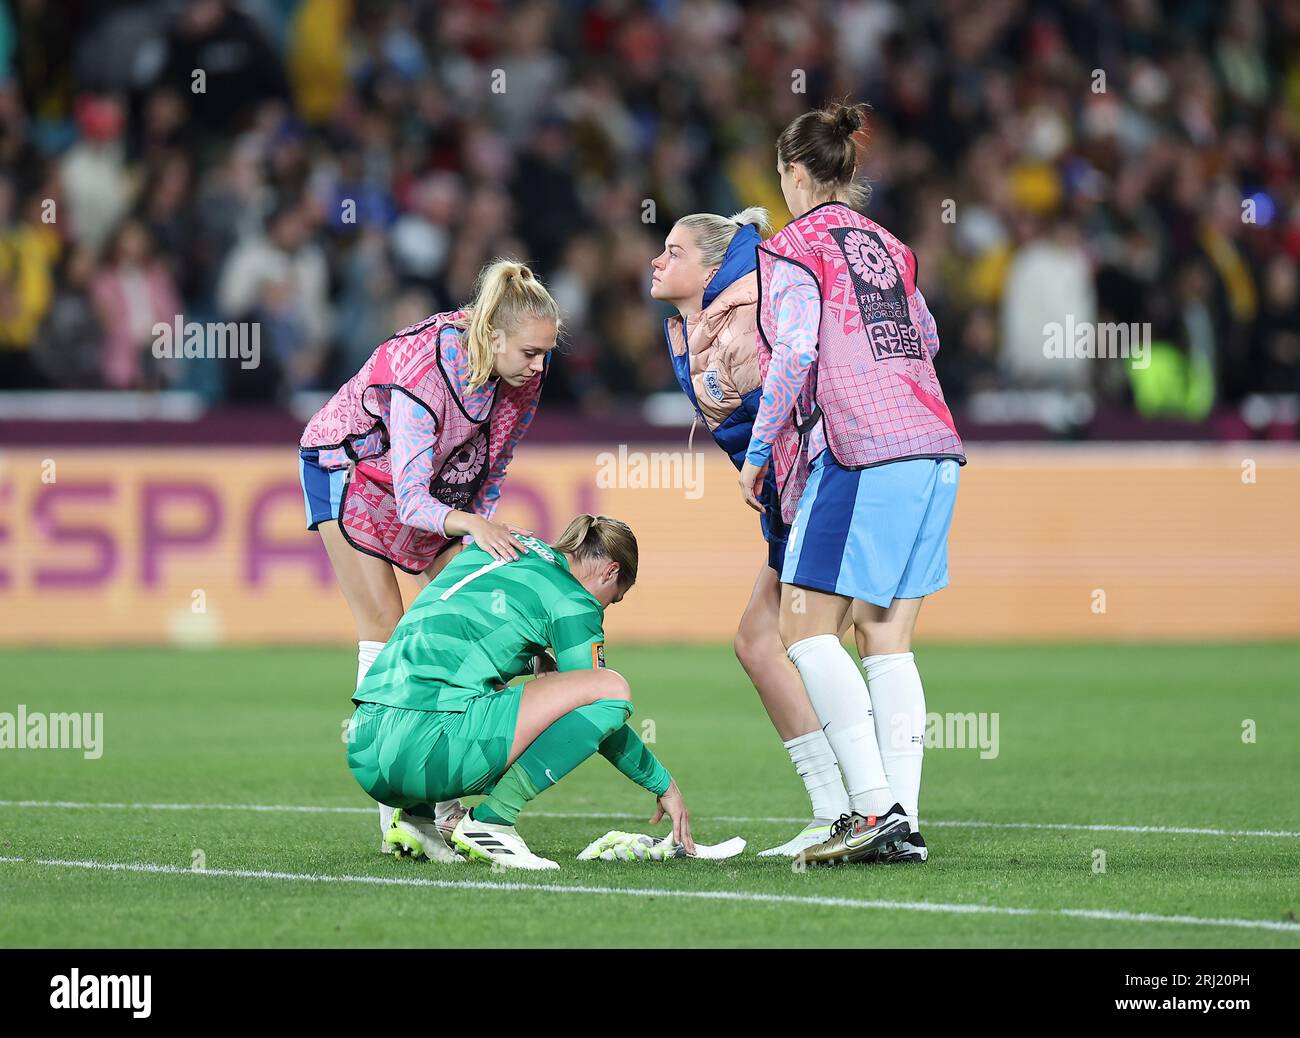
{"points": [[814, 760], [899, 702], [843, 705], [366, 653]]}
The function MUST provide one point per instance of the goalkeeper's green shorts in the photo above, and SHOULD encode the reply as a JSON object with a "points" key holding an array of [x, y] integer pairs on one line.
{"points": [[406, 757]]}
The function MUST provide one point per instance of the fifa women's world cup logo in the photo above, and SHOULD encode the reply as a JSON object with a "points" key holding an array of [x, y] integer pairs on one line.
{"points": [[869, 260], [881, 295], [463, 473]]}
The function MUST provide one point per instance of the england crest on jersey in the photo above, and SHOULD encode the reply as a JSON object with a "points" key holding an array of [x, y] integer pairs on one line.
{"points": [[712, 385]]}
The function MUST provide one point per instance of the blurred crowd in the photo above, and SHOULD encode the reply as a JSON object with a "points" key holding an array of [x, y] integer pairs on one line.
{"points": [[336, 169]]}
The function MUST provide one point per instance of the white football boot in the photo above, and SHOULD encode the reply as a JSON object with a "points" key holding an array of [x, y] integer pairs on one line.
{"points": [[410, 836], [446, 813], [815, 832], [499, 844]]}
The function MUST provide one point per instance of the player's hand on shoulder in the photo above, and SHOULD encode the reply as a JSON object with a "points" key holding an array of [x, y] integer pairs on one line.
{"points": [[498, 539]]}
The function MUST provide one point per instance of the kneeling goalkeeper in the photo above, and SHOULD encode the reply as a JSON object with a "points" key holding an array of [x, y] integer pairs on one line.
{"points": [[435, 720]]}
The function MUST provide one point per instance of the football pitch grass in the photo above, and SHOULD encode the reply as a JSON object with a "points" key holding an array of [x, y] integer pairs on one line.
{"points": [[1123, 808]]}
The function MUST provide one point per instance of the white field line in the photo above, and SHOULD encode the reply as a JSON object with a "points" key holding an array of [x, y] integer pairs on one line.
{"points": [[1104, 915], [626, 816]]}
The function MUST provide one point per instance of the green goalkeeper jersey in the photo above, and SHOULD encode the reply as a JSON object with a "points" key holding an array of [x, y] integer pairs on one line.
{"points": [[478, 625]]}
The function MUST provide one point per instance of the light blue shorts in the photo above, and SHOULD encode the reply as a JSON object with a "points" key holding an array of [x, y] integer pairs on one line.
{"points": [[874, 534], [322, 489]]}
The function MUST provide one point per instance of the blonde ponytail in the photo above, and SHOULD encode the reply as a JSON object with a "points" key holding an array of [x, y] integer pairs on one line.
{"points": [[505, 293], [600, 537], [756, 215], [713, 233]]}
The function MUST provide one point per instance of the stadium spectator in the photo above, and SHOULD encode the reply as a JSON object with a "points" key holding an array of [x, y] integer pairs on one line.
{"points": [[1048, 282], [132, 292], [280, 281], [97, 182], [67, 350], [220, 63], [367, 299], [28, 250], [421, 238]]}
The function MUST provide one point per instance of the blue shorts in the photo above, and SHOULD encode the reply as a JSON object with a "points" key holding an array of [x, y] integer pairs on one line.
{"points": [[322, 489], [775, 530], [874, 534]]}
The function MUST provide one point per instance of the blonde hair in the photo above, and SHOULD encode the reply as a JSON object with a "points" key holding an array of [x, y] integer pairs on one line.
{"points": [[600, 537], [505, 293], [826, 142], [713, 233]]}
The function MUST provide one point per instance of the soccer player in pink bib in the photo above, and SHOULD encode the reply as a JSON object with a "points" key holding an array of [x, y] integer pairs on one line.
{"points": [[869, 484], [707, 270], [408, 457]]}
